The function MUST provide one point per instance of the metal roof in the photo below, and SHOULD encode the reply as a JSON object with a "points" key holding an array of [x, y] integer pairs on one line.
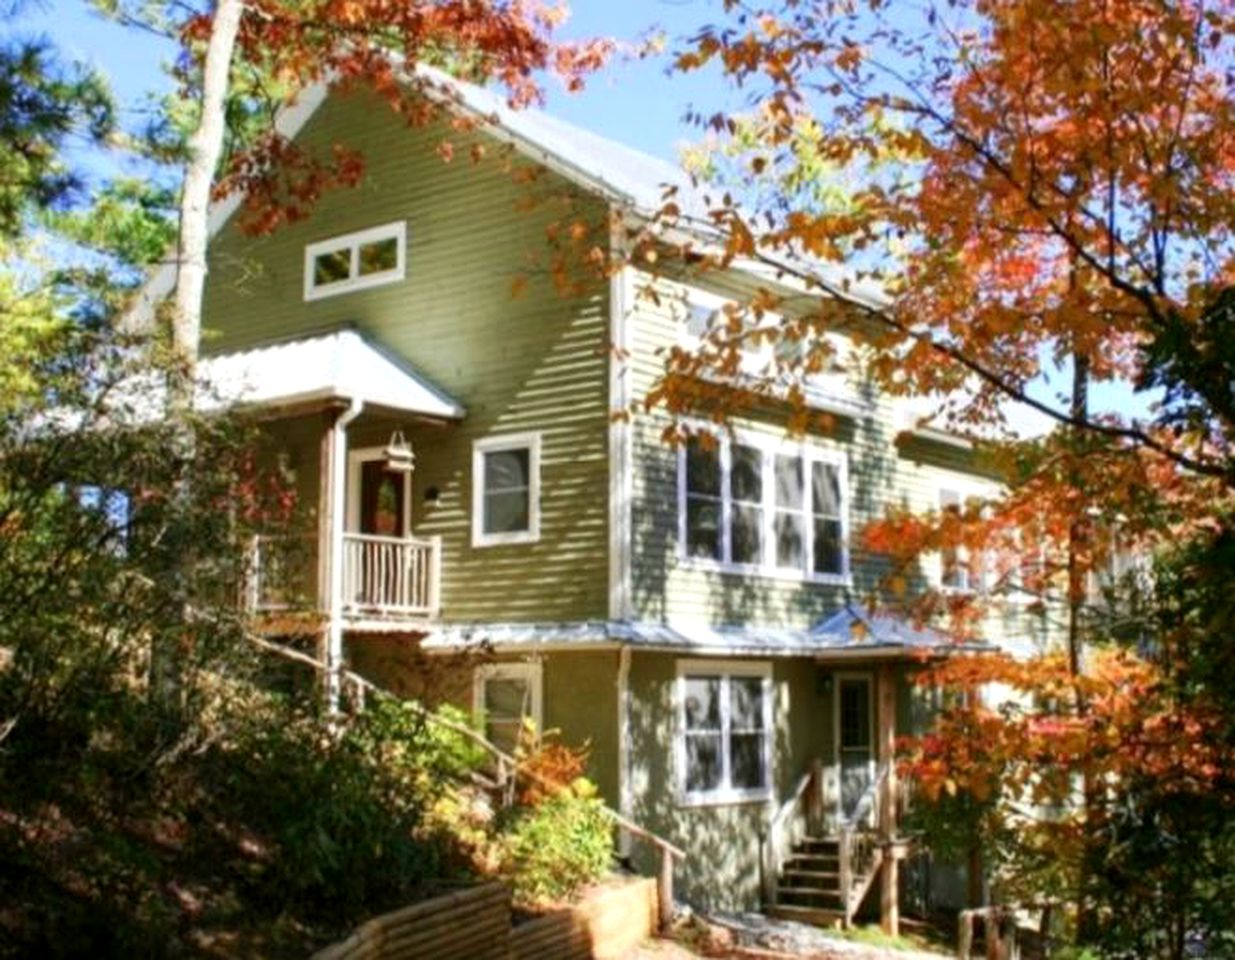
{"points": [[879, 635]]}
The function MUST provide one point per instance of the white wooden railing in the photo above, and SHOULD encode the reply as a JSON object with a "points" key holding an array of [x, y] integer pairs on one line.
{"points": [[280, 573], [861, 843], [391, 576], [800, 815]]}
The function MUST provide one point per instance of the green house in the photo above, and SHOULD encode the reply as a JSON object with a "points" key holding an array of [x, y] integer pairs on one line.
{"points": [[474, 512]]}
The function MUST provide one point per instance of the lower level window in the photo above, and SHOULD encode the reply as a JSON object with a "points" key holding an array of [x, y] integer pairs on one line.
{"points": [[507, 695], [726, 728]]}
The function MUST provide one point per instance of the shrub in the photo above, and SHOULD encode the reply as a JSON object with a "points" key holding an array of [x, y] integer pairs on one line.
{"points": [[553, 848]]}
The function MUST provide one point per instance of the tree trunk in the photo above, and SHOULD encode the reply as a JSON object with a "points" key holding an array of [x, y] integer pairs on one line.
{"points": [[205, 149]]}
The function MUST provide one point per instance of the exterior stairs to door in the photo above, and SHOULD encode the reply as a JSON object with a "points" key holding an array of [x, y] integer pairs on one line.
{"points": [[809, 886]]}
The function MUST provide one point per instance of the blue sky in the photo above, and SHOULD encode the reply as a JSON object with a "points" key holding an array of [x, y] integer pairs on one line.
{"points": [[634, 102]]}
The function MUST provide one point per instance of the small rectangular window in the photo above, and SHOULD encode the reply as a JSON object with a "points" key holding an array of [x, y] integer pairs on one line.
{"points": [[725, 731], [355, 261], [506, 490], [703, 499], [506, 696]]}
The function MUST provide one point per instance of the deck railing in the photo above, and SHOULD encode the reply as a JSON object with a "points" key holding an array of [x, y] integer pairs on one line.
{"points": [[383, 577], [860, 844], [391, 576]]}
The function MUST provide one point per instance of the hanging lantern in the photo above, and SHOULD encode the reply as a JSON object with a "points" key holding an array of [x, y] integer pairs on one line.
{"points": [[399, 455]]}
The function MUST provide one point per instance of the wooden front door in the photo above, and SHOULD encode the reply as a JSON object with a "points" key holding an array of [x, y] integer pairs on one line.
{"points": [[382, 500], [855, 742]]}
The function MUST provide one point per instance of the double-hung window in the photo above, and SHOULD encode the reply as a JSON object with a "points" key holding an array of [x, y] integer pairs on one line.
{"points": [[756, 505], [355, 261], [960, 570], [506, 490], [506, 696], [725, 723]]}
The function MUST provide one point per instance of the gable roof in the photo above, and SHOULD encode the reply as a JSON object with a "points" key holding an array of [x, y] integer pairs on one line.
{"points": [[634, 181]]}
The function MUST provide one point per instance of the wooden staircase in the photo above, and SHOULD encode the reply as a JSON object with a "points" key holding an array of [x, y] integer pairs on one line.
{"points": [[809, 886]]}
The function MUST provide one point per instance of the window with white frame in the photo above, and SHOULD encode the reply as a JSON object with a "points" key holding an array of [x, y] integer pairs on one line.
{"points": [[355, 261], [752, 504], [506, 490], [506, 696], [960, 571], [724, 746]]}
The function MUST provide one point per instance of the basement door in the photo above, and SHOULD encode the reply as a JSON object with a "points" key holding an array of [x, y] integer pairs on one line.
{"points": [[854, 740]]}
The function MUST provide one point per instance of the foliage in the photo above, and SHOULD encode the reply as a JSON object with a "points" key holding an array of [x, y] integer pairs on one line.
{"points": [[546, 765], [551, 849], [42, 105]]}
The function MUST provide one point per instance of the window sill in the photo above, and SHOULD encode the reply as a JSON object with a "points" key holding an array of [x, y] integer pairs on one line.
{"points": [[505, 539], [324, 291], [699, 565], [729, 798]]}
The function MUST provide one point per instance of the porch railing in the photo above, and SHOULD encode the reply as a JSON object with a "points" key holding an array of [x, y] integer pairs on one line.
{"points": [[281, 572], [391, 576], [797, 818], [860, 843]]}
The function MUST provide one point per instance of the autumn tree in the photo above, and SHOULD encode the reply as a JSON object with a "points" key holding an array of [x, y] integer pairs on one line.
{"points": [[1007, 196]]}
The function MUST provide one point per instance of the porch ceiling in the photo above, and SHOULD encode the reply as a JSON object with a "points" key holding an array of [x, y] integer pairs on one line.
{"points": [[343, 365]]}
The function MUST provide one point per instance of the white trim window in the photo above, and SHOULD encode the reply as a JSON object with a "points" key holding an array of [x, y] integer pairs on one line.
{"points": [[506, 490], [960, 571], [356, 261], [505, 695], [752, 504], [724, 742]]}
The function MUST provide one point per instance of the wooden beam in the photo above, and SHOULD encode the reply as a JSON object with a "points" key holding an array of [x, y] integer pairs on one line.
{"points": [[889, 899]]}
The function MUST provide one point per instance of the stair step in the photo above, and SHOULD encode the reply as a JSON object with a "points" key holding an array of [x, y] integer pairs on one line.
{"points": [[818, 846], [816, 879], [812, 862], [812, 895], [819, 916]]}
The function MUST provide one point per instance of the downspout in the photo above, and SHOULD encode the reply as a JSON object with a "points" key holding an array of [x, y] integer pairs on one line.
{"points": [[623, 758], [338, 509]]}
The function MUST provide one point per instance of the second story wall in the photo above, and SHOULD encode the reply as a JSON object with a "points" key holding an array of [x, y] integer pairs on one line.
{"points": [[532, 364]]}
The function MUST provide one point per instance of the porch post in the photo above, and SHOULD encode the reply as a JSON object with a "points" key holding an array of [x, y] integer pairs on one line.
{"points": [[889, 899], [334, 498]]}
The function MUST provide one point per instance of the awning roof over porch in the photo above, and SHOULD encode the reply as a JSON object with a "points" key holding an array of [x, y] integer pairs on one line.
{"points": [[851, 632], [343, 365]]}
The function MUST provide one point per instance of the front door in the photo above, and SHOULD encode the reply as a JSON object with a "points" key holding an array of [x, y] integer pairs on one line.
{"points": [[381, 499], [382, 514], [855, 747]]}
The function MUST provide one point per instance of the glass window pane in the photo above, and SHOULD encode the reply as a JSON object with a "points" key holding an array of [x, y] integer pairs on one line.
{"points": [[703, 760], [790, 489], [507, 470], [503, 734], [703, 527], [332, 267], [746, 474], [746, 759], [790, 540], [506, 512], [825, 489], [507, 698], [702, 703], [746, 703], [698, 321], [379, 256], [702, 467], [745, 539], [828, 547]]}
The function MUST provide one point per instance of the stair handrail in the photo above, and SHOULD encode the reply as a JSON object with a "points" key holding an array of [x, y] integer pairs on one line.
{"points": [[859, 860], [506, 762], [806, 798]]}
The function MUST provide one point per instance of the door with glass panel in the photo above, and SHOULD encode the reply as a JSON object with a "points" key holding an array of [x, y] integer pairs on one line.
{"points": [[855, 746]]}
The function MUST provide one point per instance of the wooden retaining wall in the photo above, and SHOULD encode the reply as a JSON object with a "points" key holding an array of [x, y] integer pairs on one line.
{"points": [[476, 923]]}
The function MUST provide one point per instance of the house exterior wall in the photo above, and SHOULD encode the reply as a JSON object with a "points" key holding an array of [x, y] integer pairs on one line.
{"points": [[535, 363]]}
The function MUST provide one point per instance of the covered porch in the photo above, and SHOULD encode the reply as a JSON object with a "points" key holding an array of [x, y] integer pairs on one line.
{"points": [[352, 558]]}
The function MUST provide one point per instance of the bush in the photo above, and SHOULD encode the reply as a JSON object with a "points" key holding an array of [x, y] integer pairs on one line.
{"points": [[552, 849]]}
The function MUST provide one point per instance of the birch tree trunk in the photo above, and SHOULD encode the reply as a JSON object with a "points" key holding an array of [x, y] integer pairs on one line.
{"points": [[205, 149]]}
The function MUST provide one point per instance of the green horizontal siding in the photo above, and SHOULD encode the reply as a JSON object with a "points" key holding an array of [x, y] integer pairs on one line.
{"points": [[538, 362]]}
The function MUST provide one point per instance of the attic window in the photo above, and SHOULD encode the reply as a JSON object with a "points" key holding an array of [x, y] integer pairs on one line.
{"points": [[355, 261]]}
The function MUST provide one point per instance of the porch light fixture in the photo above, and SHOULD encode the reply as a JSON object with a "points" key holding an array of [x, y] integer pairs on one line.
{"points": [[399, 455]]}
